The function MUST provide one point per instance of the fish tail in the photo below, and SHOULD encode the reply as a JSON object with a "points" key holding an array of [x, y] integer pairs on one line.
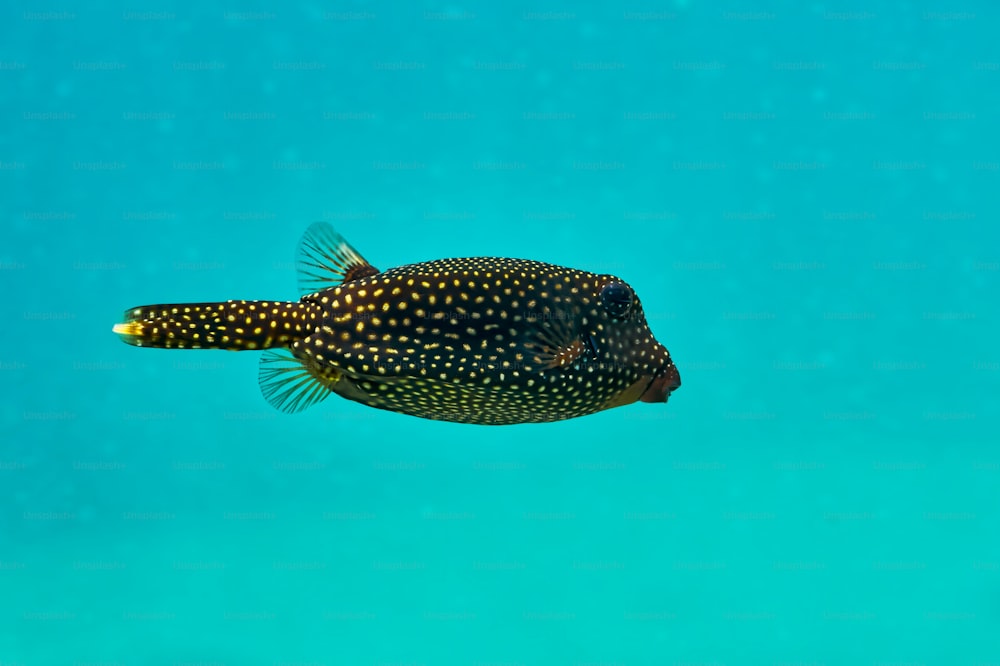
{"points": [[233, 325]]}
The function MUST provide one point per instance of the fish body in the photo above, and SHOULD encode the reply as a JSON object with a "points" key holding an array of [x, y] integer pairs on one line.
{"points": [[481, 340]]}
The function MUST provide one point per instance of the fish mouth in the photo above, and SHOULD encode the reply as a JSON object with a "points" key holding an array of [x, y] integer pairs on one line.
{"points": [[662, 385]]}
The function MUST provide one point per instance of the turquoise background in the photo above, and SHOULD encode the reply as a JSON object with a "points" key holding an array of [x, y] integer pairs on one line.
{"points": [[804, 196]]}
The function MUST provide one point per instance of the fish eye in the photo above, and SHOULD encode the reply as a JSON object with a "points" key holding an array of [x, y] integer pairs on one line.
{"points": [[616, 298]]}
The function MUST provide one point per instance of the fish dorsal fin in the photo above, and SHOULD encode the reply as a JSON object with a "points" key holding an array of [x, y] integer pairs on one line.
{"points": [[325, 260], [290, 384]]}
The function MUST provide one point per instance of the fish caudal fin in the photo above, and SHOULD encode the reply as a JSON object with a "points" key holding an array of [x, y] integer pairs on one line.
{"points": [[234, 325]]}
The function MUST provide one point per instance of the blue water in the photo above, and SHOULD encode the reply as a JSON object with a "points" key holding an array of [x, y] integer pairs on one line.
{"points": [[803, 195]]}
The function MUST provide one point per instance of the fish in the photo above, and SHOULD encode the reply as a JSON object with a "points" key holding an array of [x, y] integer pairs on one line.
{"points": [[477, 340]]}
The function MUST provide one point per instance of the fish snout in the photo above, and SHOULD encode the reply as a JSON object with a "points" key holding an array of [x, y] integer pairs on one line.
{"points": [[662, 385]]}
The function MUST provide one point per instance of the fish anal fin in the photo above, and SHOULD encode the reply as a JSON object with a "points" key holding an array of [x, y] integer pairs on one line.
{"points": [[291, 384], [325, 259]]}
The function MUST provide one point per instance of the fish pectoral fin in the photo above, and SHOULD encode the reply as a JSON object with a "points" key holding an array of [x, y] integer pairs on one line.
{"points": [[549, 357], [554, 344], [325, 260], [290, 384]]}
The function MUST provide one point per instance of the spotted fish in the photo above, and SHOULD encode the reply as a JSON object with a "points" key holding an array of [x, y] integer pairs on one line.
{"points": [[479, 340]]}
